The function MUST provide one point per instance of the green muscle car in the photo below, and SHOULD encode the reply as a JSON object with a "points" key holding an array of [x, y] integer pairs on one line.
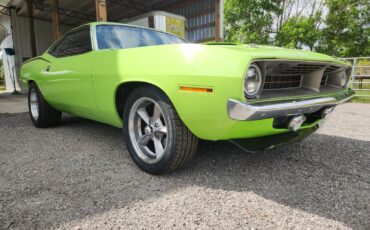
{"points": [[166, 93]]}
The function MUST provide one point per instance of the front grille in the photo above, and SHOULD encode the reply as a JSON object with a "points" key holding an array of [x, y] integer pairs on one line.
{"points": [[284, 78], [297, 68], [289, 74], [327, 72], [281, 81], [323, 80], [330, 69]]}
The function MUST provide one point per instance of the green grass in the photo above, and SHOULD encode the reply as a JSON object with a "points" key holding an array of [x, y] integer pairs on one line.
{"points": [[366, 94], [365, 98]]}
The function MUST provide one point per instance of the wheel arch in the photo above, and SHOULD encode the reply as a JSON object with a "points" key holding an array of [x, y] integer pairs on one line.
{"points": [[31, 81], [124, 89], [28, 83]]}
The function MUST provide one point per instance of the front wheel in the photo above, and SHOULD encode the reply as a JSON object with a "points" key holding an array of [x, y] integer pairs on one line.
{"points": [[156, 138]]}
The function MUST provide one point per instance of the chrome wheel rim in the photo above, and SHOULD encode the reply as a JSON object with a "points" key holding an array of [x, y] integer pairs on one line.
{"points": [[148, 130], [34, 104]]}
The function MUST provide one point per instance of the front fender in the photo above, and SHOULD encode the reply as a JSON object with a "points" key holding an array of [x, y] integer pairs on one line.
{"points": [[169, 67], [205, 114]]}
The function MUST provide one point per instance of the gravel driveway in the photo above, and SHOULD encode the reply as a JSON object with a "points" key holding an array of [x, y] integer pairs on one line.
{"points": [[79, 175]]}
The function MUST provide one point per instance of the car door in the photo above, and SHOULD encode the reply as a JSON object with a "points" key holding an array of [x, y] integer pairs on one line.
{"points": [[67, 77]]}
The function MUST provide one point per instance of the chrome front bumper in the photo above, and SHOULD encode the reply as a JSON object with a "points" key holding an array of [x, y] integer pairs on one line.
{"points": [[244, 111]]}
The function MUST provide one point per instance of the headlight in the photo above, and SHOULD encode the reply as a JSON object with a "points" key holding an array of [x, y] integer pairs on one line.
{"points": [[253, 81], [343, 79]]}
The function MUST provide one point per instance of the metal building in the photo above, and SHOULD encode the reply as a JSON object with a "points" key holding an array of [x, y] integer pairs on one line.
{"points": [[31, 26]]}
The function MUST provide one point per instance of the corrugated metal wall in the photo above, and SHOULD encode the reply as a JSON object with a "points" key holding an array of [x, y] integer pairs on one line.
{"points": [[21, 34], [200, 20], [200, 26]]}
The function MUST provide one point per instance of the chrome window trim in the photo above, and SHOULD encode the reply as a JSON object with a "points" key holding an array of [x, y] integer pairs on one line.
{"points": [[93, 35]]}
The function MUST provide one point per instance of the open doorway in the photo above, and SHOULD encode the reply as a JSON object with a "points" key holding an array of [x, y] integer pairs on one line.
{"points": [[8, 80], [3, 35], [2, 76]]}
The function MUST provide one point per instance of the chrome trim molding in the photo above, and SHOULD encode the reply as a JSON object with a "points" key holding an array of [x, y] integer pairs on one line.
{"points": [[244, 111]]}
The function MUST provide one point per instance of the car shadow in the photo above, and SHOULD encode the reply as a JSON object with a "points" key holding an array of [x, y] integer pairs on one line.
{"points": [[82, 168], [328, 176]]}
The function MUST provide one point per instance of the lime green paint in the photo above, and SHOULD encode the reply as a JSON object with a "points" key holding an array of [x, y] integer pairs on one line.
{"points": [[86, 84]]}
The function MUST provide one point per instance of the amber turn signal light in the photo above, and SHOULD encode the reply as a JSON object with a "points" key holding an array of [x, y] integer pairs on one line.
{"points": [[196, 89]]}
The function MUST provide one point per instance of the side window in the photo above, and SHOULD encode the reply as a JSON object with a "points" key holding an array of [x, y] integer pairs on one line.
{"points": [[74, 43]]}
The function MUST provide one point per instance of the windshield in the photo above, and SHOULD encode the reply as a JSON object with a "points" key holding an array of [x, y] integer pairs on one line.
{"points": [[122, 37]]}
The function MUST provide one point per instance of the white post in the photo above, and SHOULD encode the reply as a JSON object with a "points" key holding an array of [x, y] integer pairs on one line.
{"points": [[222, 16], [354, 72]]}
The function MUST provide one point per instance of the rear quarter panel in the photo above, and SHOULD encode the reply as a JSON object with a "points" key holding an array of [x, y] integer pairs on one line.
{"points": [[32, 70]]}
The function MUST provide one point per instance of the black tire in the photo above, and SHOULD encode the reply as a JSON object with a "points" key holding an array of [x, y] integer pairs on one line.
{"points": [[182, 144], [46, 116]]}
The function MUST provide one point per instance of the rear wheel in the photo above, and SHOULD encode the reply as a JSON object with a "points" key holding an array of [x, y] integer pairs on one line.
{"points": [[42, 114], [158, 141]]}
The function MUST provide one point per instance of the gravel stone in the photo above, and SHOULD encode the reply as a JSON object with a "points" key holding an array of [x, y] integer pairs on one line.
{"points": [[80, 176]]}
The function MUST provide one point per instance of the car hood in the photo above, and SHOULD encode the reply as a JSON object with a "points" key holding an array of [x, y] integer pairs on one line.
{"points": [[273, 52]]}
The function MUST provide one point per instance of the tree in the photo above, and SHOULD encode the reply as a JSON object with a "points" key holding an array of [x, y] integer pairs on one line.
{"points": [[298, 32], [346, 32], [250, 21], [335, 27]]}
